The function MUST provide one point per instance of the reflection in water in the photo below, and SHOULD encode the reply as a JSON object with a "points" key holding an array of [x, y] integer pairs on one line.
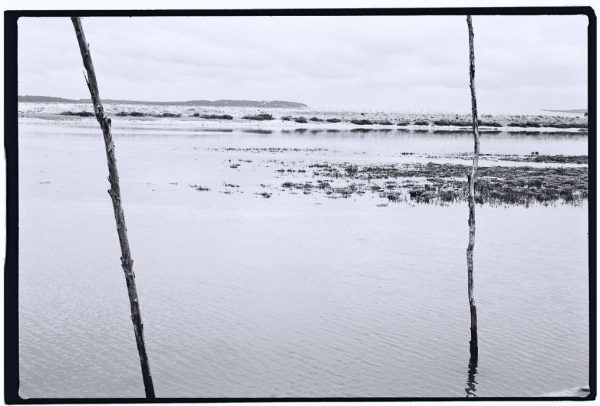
{"points": [[472, 371], [258, 131]]}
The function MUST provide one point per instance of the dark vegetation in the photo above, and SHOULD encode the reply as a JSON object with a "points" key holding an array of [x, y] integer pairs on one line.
{"points": [[131, 114], [141, 114], [214, 116], [258, 131], [259, 117], [535, 157], [464, 123], [437, 183], [525, 123], [167, 115], [534, 124], [447, 183], [569, 125], [199, 188], [452, 122], [77, 113], [361, 122], [490, 123]]}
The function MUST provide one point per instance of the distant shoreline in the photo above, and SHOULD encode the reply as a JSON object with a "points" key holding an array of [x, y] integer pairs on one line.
{"points": [[277, 104], [571, 111], [204, 103], [294, 119]]}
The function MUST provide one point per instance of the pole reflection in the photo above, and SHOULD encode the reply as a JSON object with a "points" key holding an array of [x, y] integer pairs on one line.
{"points": [[470, 389]]}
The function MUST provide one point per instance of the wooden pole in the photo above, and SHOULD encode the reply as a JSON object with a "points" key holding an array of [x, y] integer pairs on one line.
{"points": [[115, 194], [471, 181]]}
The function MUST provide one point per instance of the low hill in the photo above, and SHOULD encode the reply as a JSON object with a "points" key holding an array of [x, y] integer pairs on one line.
{"points": [[207, 103], [574, 111], [45, 99]]}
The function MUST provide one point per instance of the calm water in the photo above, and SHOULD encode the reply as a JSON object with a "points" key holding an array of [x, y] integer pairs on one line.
{"points": [[295, 295]]}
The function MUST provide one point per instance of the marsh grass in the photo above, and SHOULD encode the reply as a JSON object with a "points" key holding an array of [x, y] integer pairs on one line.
{"points": [[214, 116], [131, 114], [259, 117], [77, 113], [421, 122], [447, 183], [361, 122]]}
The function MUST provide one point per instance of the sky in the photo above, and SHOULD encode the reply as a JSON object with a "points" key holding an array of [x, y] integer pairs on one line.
{"points": [[360, 63]]}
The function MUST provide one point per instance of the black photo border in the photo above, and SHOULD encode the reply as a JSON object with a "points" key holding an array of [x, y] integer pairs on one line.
{"points": [[11, 282]]}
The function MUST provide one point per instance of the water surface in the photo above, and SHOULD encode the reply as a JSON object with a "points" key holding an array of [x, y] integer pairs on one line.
{"points": [[295, 295]]}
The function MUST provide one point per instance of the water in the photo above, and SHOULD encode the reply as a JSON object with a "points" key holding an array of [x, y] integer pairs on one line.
{"points": [[296, 295]]}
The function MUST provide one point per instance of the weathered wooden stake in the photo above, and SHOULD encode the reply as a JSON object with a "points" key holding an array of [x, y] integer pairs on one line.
{"points": [[471, 180], [115, 194]]}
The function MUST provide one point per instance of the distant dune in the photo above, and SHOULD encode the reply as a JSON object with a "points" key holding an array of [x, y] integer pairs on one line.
{"points": [[574, 111], [212, 103]]}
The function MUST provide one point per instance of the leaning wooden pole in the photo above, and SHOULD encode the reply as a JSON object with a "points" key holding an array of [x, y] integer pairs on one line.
{"points": [[471, 180], [115, 194]]}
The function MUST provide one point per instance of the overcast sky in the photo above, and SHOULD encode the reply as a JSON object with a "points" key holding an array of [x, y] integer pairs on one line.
{"points": [[401, 63]]}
